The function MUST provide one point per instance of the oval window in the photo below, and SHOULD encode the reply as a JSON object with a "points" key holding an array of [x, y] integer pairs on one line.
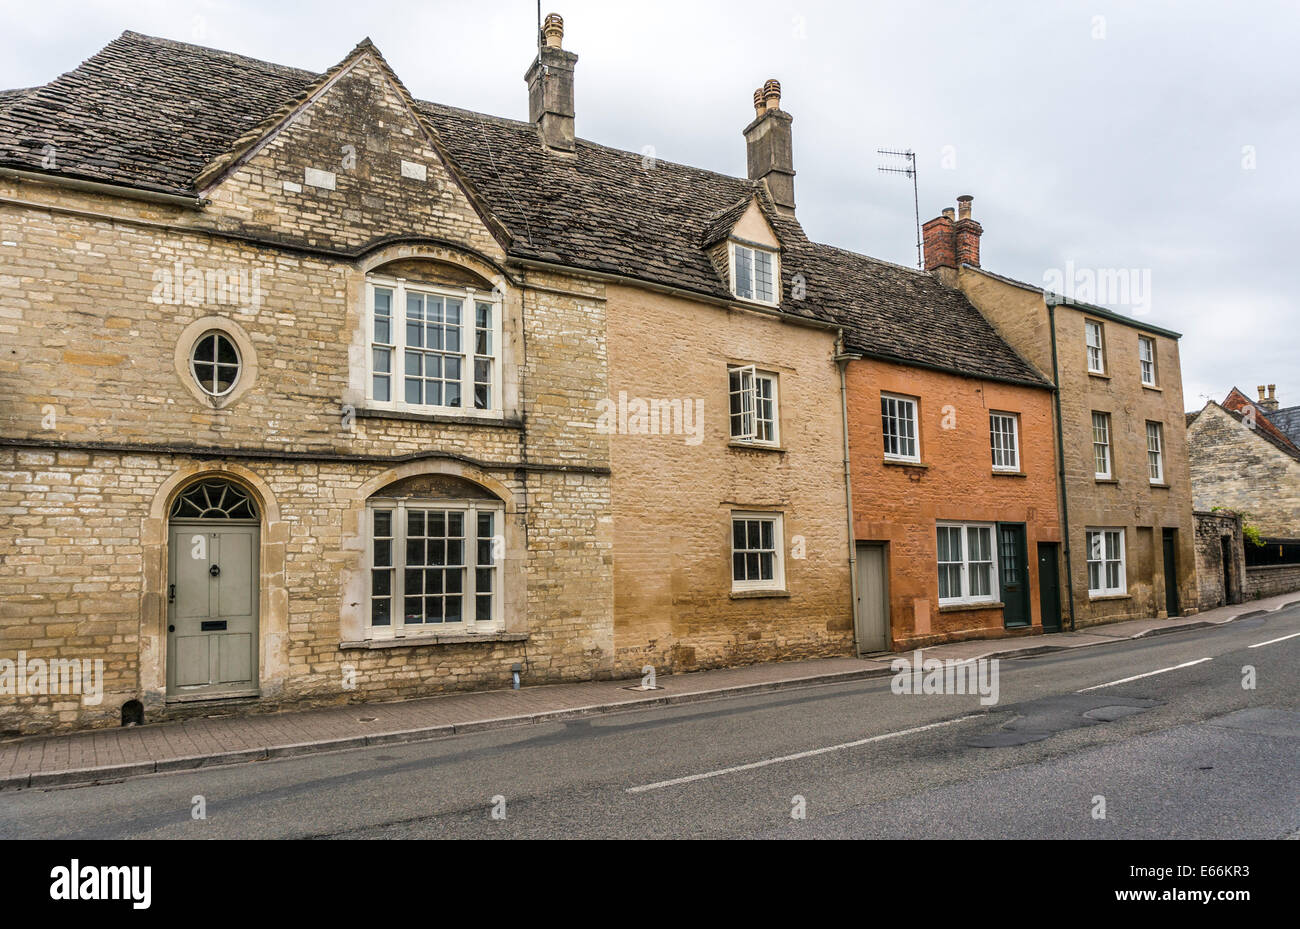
{"points": [[215, 364]]}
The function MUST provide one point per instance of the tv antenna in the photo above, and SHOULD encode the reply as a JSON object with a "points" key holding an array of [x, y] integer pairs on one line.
{"points": [[905, 164]]}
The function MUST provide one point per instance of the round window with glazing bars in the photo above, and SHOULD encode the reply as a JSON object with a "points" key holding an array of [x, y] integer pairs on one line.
{"points": [[215, 363]]}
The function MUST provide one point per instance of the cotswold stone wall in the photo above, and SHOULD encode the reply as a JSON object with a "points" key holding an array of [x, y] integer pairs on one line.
{"points": [[1270, 580], [1236, 467], [674, 490], [101, 425], [1221, 581]]}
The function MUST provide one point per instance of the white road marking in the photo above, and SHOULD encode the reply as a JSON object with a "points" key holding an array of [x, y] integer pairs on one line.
{"points": [[797, 756], [1138, 677], [1271, 641]]}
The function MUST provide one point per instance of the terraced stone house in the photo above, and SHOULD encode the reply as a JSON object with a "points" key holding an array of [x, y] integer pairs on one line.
{"points": [[313, 391], [1126, 497]]}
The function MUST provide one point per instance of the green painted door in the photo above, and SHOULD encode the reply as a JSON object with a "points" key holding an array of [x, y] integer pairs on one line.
{"points": [[212, 608], [1013, 573]]}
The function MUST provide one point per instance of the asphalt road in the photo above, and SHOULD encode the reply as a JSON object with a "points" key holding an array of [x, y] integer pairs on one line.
{"points": [[1187, 753]]}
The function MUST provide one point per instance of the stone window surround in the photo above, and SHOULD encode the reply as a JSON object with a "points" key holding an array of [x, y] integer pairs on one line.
{"points": [[1104, 592], [469, 297], [467, 628], [510, 305], [248, 370]]}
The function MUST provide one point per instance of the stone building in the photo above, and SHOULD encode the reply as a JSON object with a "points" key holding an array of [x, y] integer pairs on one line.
{"points": [[317, 392], [1240, 460], [1123, 476]]}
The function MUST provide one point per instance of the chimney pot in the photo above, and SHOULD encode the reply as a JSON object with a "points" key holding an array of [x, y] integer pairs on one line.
{"points": [[772, 94], [1272, 391], [759, 105], [1262, 392], [553, 30], [963, 206], [949, 213]]}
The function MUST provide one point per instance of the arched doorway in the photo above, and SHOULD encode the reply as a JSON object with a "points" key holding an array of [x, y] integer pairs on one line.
{"points": [[212, 590]]}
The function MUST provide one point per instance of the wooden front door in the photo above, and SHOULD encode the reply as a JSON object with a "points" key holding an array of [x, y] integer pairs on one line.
{"points": [[873, 598], [212, 598], [1013, 575]]}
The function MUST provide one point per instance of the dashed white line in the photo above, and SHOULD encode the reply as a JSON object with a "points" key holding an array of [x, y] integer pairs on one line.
{"points": [[1271, 641], [797, 756], [1138, 677]]}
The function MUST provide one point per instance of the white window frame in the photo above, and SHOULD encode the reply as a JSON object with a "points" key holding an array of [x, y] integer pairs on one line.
{"points": [[1097, 446], [469, 297], [218, 336], [994, 433], [1156, 455], [752, 422], [1100, 535], [912, 404], [469, 624], [966, 598], [1147, 360], [1097, 349], [752, 281], [777, 581]]}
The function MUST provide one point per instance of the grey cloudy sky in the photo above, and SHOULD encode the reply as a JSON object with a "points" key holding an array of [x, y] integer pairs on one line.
{"points": [[1157, 137]]}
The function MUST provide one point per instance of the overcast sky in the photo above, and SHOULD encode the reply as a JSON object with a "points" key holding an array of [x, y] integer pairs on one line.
{"points": [[1157, 138]]}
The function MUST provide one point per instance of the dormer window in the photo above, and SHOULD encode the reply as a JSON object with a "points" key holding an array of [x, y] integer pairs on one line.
{"points": [[754, 273]]}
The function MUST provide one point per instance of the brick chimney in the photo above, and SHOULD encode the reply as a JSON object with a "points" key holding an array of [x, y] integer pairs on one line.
{"points": [[769, 147], [1268, 404], [951, 240], [968, 233], [550, 89]]}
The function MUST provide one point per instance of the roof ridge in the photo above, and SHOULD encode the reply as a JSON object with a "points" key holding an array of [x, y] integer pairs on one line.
{"points": [[874, 259], [223, 53]]}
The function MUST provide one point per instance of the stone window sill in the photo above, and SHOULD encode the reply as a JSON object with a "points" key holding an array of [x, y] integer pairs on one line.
{"points": [[1156, 387], [756, 446], [1107, 480], [960, 607], [498, 421], [904, 463], [997, 473], [758, 594], [1098, 598], [1160, 486], [1099, 375], [455, 639]]}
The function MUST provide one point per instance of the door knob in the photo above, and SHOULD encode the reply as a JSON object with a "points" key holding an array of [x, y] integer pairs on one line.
{"points": [[215, 570], [171, 628]]}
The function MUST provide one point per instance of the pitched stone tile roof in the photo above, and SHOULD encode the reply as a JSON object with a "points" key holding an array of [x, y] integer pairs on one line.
{"points": [[1287, 420], [154, 114]]}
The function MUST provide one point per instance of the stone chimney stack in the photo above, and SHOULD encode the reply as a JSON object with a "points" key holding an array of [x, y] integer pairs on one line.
{"points": [[769, 147], [550, 89], [1269, 403]]}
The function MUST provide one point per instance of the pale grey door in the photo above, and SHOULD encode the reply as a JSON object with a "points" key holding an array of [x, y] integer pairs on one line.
{"points": [[212, 608], [873, 598]]}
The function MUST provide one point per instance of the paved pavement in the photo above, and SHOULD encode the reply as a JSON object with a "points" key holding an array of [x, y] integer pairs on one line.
{"points": [[112, 754], [1148, 737]]}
